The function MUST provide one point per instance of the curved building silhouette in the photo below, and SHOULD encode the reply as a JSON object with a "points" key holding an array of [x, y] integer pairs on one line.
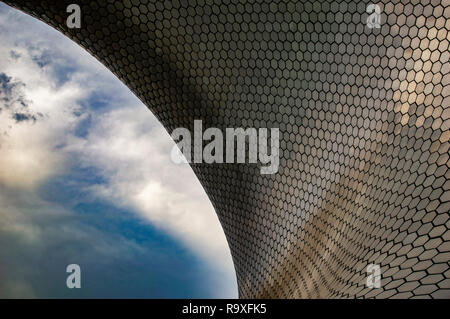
{"points": [[361, 99]]}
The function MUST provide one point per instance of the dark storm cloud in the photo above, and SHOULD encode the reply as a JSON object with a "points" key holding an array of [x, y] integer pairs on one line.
{"points": [[13, 100], [21, 117]]}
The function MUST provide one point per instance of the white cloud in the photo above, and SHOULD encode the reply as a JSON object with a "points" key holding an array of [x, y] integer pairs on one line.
{"points": [[127, 145], [134, 153]]}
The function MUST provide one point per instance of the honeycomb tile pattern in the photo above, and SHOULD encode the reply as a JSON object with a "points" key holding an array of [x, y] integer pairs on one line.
{"points": [[364, 129]]}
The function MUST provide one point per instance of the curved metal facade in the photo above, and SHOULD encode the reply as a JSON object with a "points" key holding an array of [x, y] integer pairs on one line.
{"points": [[364, 122]]}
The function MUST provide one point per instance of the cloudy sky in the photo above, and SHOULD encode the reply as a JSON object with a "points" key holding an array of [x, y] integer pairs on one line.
{"points": [[86, 178]]}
